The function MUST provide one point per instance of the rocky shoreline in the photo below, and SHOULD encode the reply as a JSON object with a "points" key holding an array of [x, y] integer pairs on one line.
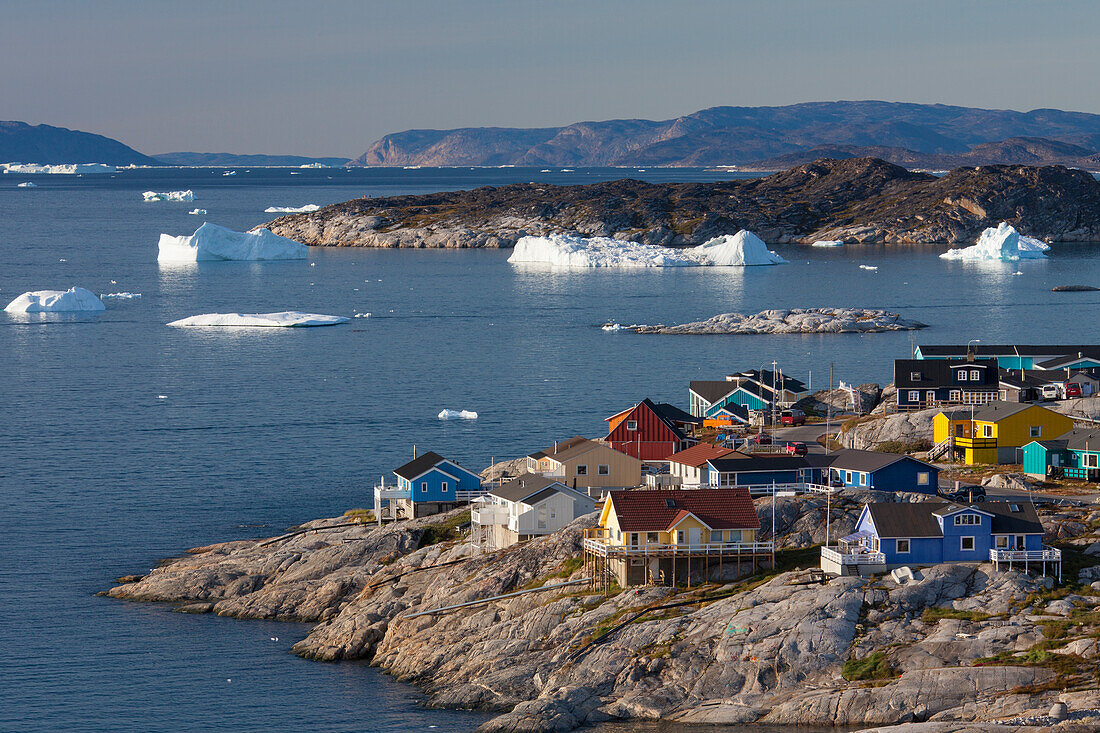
{"points": [[787, 321], [856, 201], [771, 649]]}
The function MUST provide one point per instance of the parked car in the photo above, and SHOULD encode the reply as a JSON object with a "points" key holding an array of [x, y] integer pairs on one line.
{"points": [[1073, 390], [967, 493], [792, 417], [1051, 392], [760, 439], [796, 448]]}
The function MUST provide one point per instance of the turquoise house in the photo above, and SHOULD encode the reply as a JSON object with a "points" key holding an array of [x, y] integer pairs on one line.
{"points": [[1075, 455]]}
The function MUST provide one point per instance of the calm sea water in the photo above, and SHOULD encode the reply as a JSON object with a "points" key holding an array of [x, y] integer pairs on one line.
{"points": [[261, 429]]}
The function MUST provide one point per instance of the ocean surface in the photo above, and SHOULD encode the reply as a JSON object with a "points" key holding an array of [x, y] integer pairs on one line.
{"points": [[123, 441]]}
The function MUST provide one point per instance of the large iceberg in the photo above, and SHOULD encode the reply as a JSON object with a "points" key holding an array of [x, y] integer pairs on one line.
{"points": [[562, 250], [1002, 243], [212, 242], [283, 319], [62, 169], [291, 209], [56, 301], [187, 195]]}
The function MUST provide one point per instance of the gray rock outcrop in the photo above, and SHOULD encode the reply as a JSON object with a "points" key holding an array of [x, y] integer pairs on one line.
{"points": [[795, 320], [913, 429]]}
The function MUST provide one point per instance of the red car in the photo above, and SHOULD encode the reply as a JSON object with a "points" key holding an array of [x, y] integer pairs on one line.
{"points": [[792, 417], [796, 448], [1073, 390]]}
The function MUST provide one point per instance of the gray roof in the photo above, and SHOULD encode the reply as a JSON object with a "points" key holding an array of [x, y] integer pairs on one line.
{"points": [[1082, 439], [525, 486], [994, 411], [712, 390], [563, 450], [1006, 521], [919, 519], [867, 460]]}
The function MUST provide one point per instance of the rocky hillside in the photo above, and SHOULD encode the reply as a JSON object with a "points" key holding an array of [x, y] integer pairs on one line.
{"points": [[960, 644], [45, 144], [739, 135], [856, 200]]}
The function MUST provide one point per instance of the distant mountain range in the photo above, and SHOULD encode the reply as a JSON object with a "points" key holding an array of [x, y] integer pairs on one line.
{"points": [[23, 143], [228, 159], [909, 134]]}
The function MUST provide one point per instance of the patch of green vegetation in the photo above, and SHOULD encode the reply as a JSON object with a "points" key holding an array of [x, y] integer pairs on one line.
{"points": [[902, 447], [567, 568], [443, 531], [359, 515], [874, 666], [932, 615]]}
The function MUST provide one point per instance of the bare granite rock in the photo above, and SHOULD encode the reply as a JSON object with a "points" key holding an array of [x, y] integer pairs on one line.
{"points": [[913, 429], [796, 320]]}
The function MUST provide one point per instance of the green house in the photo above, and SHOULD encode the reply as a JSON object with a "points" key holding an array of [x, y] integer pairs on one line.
{"points": [[1075, 454]]}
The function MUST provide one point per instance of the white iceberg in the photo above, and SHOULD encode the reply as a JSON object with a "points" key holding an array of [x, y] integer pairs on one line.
{"points": [[212, 242], [229, 173], [872, 268], [120, 296], [457, 415], [282, 319], [562, 250], [291, 209], [27, 184], [187, 195], [56, 301], [829, 243], [197, 212], [69, 169], [1002, 243]]}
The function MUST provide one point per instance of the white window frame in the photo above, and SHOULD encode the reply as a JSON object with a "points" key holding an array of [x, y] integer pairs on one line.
{"points": [[967, 520], [582, 469], [653, 538], [443, 487], [914, 395], [1000, 541], [631, 425], [603, 470], [1035, 431], [1089, 460], [423, 487], [975, 375], [962, 544], [962, 375], [635, 539], [681, 537], [955, 395], [897, 546]]}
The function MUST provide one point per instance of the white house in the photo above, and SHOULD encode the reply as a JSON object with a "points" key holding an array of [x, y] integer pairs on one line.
{"points": [[526, 507]]}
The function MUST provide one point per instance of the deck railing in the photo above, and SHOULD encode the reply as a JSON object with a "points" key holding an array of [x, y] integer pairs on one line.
{"points": [[1047, 554], [488, 514], [603, 547], [853, 558]]}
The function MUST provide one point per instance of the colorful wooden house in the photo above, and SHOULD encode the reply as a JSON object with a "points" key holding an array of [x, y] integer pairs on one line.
{"points": [[727, 417], [924, 383], [586, 464], [690, 468], [996, 432], [651, 431], [669, 536], [1075, 454], [524, 508], [750, 390], [890, 535], [759, 472], [428, 484], [864, 469]]}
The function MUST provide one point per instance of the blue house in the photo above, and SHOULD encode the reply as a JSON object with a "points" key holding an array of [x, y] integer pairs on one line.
{"points": [[1075, 454], [428, 484], [761, 471], [863, 469], [890, 535]]}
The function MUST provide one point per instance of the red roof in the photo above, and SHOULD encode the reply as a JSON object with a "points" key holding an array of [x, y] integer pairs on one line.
{"points": [[698, 455], [655, 510]]}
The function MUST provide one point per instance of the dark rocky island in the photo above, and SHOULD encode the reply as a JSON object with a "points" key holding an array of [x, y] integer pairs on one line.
{"points": [[861, 200], [45, 144]]}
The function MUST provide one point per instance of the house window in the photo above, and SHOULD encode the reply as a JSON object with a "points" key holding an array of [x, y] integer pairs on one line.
{"points": [[966, 544], [962, 375], [443, 486], [582, 470], [955, 395], [634, 539], [603, 470], [903, 547], [716, 535], [914, 396], [922, 478], [1001, 542], [967, 519], [631, 424], [975, 375], [679, 536], [1035, 431], [987, 431], [423, 487], [652, 538], [1088, 460], [914, 376]]}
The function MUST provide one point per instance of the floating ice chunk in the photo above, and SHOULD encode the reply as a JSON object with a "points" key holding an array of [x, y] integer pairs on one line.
{"points": [[283, 319], [612, 327], [162, 396], [545, 170], [27, 184], [1017, 273], [829, 243], [187, 195], [871, 268], [56, 301], [741, 249], [197, 212], [566, 170], [361, 315], [291, 209], [68, 169], [229, 173], [457, 415], [121, 296], [213, 242], [1000, 243]]}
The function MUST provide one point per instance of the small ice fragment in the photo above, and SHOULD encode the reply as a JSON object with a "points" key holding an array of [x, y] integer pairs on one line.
{"points": [[162, 396], [120, 296], [27, 184], [1017, 273], [197, 212], [457, 415], [313, 264], [871, 268], [62, 260], [114, 282], [361, 315], [187, 195]]}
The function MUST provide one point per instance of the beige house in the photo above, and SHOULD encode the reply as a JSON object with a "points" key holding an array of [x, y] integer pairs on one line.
{"points": [[526, 507], [586, 464]]}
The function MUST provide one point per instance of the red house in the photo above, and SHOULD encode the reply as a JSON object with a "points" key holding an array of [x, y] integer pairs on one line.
{"points": [[651, 431]]}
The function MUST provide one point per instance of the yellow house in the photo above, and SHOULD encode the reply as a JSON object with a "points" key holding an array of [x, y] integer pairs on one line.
{"points": [[995, 432], [586, 464], [666, 535]]}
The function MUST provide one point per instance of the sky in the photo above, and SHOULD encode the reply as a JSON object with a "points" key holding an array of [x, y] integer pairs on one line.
{"points": [[331, 77]]}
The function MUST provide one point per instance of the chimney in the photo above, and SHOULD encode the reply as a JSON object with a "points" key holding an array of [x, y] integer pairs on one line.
{"points": [[414, 451], [969, 355]]}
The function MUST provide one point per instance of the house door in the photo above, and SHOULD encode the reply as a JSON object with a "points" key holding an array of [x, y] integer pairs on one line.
{"points": [[694, 537], [1020, 542], [930, 396]]}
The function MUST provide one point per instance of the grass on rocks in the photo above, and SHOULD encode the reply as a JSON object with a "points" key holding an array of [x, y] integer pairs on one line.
{"points": [[933, 615], [443, 531], [874, 666], [360, 515]]}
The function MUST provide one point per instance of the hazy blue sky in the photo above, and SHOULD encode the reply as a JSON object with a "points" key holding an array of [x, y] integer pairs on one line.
{"points": [[328, 78]]}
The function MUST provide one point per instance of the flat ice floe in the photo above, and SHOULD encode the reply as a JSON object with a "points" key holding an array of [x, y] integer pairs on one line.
{"points": [[828, 243], [457, 415], [211, 242], [291, 209], [56, 301], [562, 250], [282, 319], [1000, 243], [120, 296], [187, 195], [69, 169], [27, 184]]}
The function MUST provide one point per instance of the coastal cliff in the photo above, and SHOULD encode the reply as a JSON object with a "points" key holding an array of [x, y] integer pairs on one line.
{"points": [[862, 200], [962, 644]]}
